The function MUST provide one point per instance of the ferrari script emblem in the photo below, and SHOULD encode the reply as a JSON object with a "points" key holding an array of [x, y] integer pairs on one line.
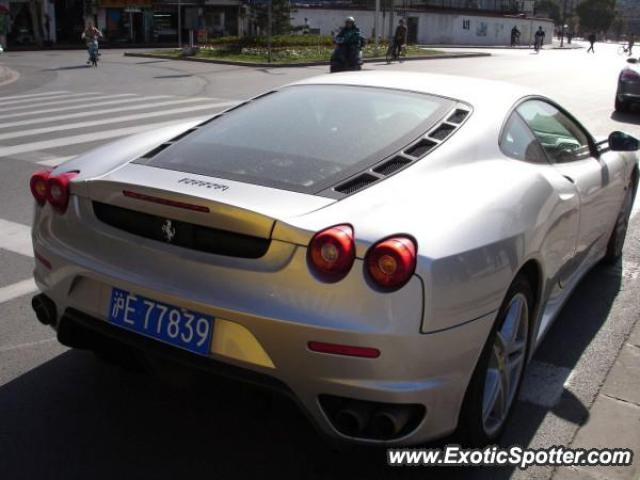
{"points": [[168, 231]]}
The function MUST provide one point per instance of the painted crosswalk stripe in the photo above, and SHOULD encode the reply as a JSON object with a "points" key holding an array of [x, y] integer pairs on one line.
{"points": [[55, 161], [87, 99], [84, 106], [90, 137], [57, 96], [32, 95], [107, 121], [16, 238], [18, 289], [20, 346], [95, 113]]}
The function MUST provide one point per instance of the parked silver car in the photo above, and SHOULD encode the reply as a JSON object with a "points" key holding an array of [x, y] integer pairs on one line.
{"points": [[387, 248], [628, 92]]}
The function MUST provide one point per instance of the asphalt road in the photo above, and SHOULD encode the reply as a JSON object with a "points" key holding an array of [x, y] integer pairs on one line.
{"points": [[64, 414]]}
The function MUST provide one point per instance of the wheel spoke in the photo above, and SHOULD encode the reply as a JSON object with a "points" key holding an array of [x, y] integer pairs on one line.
{"points": [[491, 394]]}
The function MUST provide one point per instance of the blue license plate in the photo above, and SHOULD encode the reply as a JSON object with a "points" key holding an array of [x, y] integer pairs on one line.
{"points": [[170, 324]]}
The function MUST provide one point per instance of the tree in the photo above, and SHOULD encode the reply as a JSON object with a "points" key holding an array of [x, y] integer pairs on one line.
{"points": [[596, 15], [551, 8], [280, 16]]}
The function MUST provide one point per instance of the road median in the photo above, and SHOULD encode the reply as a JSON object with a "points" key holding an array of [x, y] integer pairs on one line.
{"points": [[168, 56]]}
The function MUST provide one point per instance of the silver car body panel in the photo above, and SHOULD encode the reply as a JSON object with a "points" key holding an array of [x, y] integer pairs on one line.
{"points": [[477, 215]]}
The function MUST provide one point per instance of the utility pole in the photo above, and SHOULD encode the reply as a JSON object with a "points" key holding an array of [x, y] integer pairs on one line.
{"points": [[179, 24], [269, 28], [376, 34], [564, 21]]}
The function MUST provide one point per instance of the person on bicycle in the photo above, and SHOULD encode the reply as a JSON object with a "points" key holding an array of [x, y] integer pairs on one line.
{"points": [[539, 39], [350, 41], [399, 38], [515, 36], [632, 42], [91, 35]]}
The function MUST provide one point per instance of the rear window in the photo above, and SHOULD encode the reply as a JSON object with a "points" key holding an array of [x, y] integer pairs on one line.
{"points": [[305, 138]]}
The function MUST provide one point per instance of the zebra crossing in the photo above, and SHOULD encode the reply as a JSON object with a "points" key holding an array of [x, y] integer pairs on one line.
{"points": [[50, 127]]}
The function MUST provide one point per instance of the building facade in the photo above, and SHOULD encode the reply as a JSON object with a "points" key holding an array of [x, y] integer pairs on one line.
{"points": [[431, 27], [122, 22]]}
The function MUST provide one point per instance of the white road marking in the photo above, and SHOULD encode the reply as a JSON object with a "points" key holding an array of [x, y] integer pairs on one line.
{"points": [[84, 102], [544, 383], [95, 113], [56, 96], [16, 238], [31, 95], [55, 161], [27, 345], [90, 137], [76, 107], [106, 121], [18, 289]]}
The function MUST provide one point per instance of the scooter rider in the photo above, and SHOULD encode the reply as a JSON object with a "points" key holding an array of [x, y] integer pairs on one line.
{"points": [[350, 42], [91, 35]]}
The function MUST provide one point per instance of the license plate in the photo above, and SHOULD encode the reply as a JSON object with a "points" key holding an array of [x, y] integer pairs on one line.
{"points": [[176, 326]]}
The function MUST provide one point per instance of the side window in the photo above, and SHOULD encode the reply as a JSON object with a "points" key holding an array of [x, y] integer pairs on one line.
{"points": [[560, 137], [518, 142]]}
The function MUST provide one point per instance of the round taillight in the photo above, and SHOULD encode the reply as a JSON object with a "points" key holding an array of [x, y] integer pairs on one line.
{"points": [[332, 252], [391, 262], [58, 190], [39, 186]]}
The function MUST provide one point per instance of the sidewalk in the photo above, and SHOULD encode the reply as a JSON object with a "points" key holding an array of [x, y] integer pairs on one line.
{"points": [[553, 46], [614, 417]]}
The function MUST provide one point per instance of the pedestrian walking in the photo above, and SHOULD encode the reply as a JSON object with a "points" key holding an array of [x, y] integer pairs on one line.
{"points": [[539, 39], [632, 42], [515, 36], [592, 41]]}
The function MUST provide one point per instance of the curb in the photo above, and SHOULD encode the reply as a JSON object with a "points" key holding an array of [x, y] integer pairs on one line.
{"points": [[7, 76], [306, 64]]}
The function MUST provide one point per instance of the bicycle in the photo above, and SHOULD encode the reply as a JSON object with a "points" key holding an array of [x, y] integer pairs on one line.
{"points": [[394, 53], [93, 54], [623, 50]]}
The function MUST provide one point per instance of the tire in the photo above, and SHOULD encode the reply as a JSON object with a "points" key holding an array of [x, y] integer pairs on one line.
{"points": [[616, 241], [389, 56], [481, 420]]}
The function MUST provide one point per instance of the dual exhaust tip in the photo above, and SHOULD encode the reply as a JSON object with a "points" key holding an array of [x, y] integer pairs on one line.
{"points": [[44, 309], [372, 420]]}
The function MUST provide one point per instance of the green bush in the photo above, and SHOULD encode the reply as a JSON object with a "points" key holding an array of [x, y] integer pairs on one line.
{"points": [[277, 41]]}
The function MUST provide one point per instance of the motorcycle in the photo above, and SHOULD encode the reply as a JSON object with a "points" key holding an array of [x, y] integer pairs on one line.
{"points": [[345, 58]]}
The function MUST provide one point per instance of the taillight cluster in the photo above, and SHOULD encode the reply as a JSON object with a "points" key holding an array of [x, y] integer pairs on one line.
{"points": [[51, 188], [629, 76], [389, 263]]}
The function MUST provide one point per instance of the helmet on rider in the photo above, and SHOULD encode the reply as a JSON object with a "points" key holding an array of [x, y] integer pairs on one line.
{"points": [[349, 20]]}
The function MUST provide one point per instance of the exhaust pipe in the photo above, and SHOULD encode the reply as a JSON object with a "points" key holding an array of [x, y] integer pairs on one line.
{"points": [[45, 309], [389, 422], [353, 419]]}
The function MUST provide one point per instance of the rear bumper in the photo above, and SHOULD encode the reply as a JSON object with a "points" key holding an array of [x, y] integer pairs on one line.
{"points": [[282, 307], [438, 396]]}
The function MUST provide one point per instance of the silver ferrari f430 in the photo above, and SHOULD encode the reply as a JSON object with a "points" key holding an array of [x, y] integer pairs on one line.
{"points": [[386, 248]]}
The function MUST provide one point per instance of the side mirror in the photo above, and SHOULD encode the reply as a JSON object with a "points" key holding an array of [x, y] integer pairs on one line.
{"points": [[622, 142], [632, 60]]}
